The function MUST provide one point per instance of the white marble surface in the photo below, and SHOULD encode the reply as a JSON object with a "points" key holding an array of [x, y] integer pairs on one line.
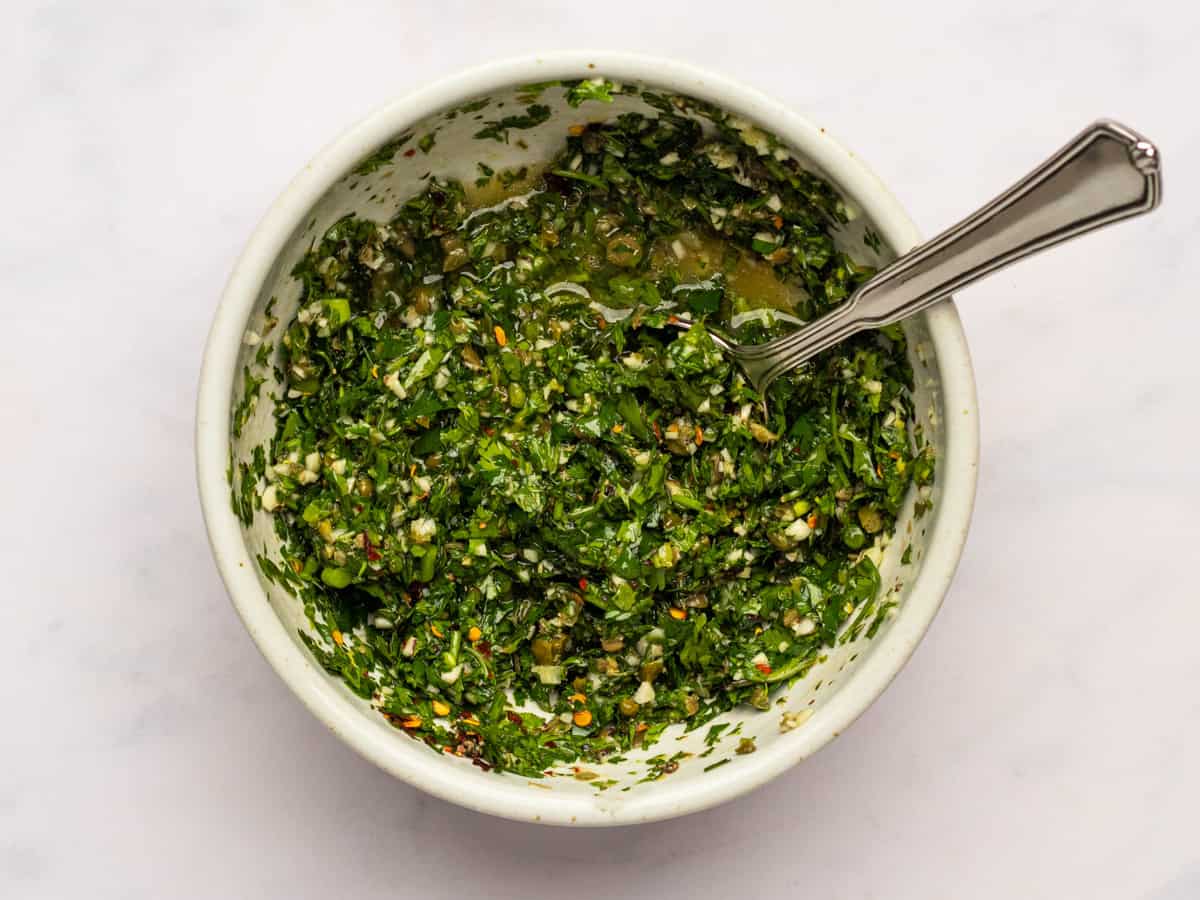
{"points": [[1042, 743]]}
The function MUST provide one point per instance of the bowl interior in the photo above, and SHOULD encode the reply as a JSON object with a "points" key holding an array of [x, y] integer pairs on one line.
{"points": [[448, 143]]}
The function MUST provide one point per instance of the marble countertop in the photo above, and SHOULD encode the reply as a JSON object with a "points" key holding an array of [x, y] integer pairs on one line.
{"points": [[1043, 742]]}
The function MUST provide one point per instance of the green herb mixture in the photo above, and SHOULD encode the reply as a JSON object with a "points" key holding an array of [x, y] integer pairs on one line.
{"points": [[531, 519]]}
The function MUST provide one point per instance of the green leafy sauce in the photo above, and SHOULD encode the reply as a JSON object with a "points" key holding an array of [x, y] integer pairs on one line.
{"points": [[531, 519]]}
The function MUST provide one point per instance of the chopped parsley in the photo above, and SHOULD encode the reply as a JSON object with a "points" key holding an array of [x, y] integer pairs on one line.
{"points": [[382, 156], [530, 519], [535, 114], [590, 89]]}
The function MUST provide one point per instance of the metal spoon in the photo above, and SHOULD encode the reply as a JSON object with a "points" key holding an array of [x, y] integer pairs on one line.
{"points": [[1107, 173]]}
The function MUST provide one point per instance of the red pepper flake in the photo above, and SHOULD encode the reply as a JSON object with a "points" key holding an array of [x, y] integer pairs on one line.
{"points": [[673, 319], [372, 553], [489, 431], [601, 323], [485, 649], [777, 221], [763, 667], [657, 430], [513, 717], [583, 583], [411, 151]]}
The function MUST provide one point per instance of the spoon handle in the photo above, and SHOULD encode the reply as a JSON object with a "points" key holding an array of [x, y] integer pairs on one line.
{"points": [[1107, 173]]}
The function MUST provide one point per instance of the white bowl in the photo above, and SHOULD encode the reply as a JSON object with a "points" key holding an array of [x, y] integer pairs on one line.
{"points": [[835, 692]]}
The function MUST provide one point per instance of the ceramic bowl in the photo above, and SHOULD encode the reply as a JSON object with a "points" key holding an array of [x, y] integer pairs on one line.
{"points": [[365, 172]]}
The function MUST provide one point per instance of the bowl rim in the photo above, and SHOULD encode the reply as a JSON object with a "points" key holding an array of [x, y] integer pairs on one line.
{"points": [[502, 797]]}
